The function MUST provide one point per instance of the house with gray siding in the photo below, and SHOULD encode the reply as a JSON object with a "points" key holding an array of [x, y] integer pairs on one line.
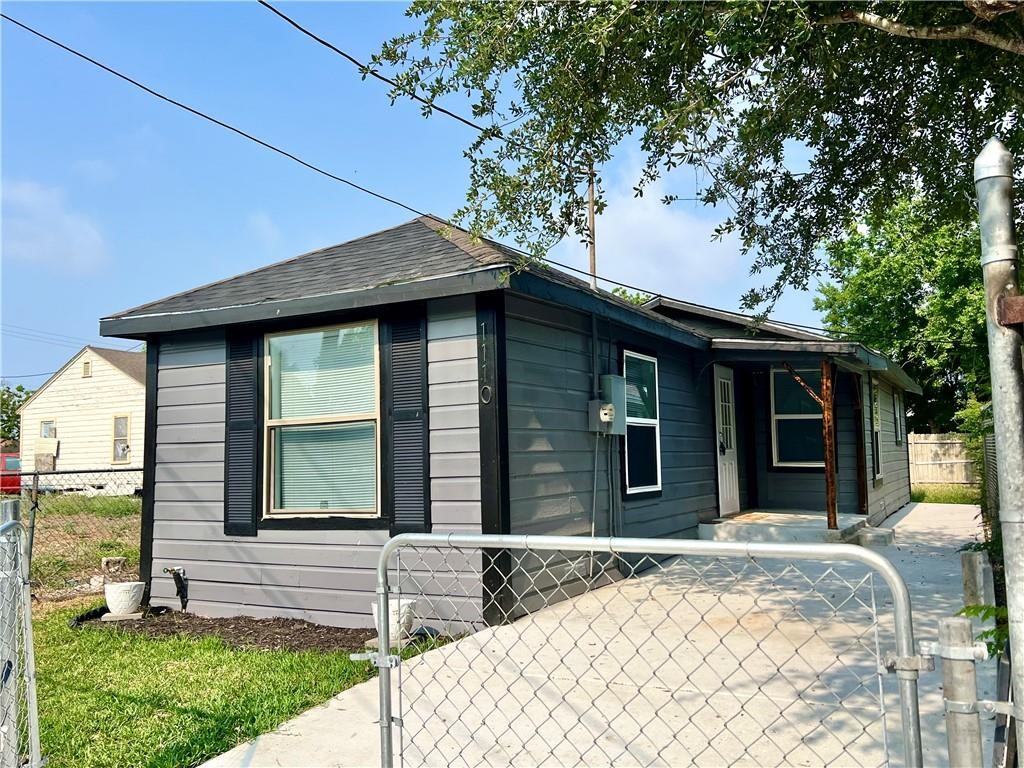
{"points": [[418, 379]]}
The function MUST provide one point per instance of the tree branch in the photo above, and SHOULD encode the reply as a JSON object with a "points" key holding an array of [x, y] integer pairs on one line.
{"points": [[951, 32]]}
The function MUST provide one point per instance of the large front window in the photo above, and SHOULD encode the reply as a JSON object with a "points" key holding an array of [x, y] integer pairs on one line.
{"points": [[797, 440], [643, 437], [322, 421]]}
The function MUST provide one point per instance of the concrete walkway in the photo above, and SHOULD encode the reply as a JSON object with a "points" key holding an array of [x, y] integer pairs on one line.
{"points": [[701, 688]]}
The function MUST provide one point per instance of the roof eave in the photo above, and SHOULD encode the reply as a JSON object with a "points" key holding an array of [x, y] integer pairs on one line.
{"points": [[862, 356], [539, 286], [474, 281]]}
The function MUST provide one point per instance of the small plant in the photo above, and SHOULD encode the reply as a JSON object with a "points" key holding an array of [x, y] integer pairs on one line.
{"points": [[999, 634]]}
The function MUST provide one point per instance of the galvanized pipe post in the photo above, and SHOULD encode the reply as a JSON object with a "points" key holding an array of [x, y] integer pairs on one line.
{"points": [[960, 691], [993, 179]]}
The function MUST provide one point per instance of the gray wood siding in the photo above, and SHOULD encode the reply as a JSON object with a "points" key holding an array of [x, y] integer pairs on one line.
{"points": [[454, 415], [892, 490], [326, 576], [551, 450]]}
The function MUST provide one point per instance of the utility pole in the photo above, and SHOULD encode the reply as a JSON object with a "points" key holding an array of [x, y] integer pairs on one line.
{"points": [[591, 221], [1004, 316]]}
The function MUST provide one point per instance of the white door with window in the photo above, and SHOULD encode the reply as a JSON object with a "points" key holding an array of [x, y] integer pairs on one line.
{"points": [[725, 421]]}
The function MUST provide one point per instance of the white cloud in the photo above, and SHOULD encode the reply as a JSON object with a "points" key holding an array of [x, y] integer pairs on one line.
{"points": [[264, 230], [662, 248], [40, 227]]}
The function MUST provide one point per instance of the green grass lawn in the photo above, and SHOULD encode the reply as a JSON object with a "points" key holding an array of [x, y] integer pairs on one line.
{"points": [[946, 493], [112, 698]]}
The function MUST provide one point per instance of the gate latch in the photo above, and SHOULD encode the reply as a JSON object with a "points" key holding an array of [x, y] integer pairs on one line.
{"points": [[985, 709], [976, 652], [923, 663], [379, 660]]}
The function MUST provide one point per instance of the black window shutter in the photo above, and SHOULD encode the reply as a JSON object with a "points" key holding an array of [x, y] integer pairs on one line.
{"points": [[242, 435], [406, 373]]}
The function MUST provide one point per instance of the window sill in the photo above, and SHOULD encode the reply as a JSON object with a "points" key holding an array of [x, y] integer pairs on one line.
{"points": [[653, 493], [324, 523]]}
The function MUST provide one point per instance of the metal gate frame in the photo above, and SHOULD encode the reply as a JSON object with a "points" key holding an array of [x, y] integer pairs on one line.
{"points": [[905, 667]]}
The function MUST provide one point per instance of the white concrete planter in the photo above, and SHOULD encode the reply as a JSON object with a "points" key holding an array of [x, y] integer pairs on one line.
{"points": [[124, 597], [400, 616]]}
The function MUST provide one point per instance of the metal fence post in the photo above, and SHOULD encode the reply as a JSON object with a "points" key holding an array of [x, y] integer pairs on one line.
{"points": [[993, 178], [960, 691]]}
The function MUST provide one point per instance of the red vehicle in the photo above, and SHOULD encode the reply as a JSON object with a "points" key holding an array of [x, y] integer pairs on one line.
{"points": [[10, 473]]}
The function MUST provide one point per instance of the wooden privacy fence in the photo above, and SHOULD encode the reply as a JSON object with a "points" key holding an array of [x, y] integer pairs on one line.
{"points": [[940, 458]]}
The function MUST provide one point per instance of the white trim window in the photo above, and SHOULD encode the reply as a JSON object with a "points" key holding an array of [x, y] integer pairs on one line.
{"points": [[797, 440], [86, 369], [643, 429], [897, 417], [322, 421], [122, 452], [876, 431], [48, 429]]}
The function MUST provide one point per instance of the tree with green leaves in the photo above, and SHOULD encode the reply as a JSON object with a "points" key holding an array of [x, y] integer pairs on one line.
{"points": [[10, 401], [871, 99], [909, 284], [633, 297]]}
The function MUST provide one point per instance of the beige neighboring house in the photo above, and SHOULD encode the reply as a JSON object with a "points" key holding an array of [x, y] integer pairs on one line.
{"points": [[90, 415]]}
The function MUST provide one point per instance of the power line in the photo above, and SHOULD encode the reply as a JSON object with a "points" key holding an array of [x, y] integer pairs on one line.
{"points": [[311, 166], [55, 335], [285, 153], [28, 375], [366, 70], [205, 116]]}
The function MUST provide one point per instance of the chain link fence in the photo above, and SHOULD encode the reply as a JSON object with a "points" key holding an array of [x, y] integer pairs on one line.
{"points": [[85, 528], [19, 722], [576, 651]]}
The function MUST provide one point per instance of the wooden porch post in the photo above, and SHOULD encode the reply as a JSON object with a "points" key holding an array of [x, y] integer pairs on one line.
{"points": [[828, 432], [826, 400]]}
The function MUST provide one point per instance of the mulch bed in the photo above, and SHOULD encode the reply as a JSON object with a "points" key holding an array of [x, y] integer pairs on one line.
{"points": [[245, 632]]}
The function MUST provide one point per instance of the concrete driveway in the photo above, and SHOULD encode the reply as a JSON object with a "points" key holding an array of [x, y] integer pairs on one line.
{"points": [[688, 664]]}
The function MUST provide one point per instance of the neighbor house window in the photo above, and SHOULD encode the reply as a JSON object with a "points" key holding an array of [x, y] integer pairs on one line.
{"points": [[86, 369], [48, 429], [643, 434], [897, 417], [122, 451], [876, 432], [796, 420], [322, 421]]}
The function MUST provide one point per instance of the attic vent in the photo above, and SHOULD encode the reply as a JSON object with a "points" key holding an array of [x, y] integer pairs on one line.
{"points": [[86, 369]]}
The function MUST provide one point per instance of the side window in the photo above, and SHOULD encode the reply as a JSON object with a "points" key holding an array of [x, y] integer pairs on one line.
{"points": [[48, 429], [796, 420], [122, 449], [876, 431], [322, 416], [897, 417], [643, 431], [86, 369]]}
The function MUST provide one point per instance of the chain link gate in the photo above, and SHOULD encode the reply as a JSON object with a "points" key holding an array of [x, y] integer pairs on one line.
{"points": [[547, 650]]}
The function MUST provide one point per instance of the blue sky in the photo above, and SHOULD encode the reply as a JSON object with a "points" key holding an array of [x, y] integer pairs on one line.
{"points": [[112, 198]]}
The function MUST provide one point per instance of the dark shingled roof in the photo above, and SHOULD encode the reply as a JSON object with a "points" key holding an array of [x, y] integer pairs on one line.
{"points": [[408, 252], [130, 363]]}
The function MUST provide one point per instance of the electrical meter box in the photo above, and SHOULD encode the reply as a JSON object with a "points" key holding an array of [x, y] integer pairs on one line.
{"points": [[608, 413]]}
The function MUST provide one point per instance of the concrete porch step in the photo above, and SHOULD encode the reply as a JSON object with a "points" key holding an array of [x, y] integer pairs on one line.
{"points": [[782, 526]]}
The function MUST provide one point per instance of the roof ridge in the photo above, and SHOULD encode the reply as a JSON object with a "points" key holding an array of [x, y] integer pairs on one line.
{"points": [[479, 248]]}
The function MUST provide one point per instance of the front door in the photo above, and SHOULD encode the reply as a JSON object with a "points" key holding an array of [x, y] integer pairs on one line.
{"points": [[725, 421]]}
